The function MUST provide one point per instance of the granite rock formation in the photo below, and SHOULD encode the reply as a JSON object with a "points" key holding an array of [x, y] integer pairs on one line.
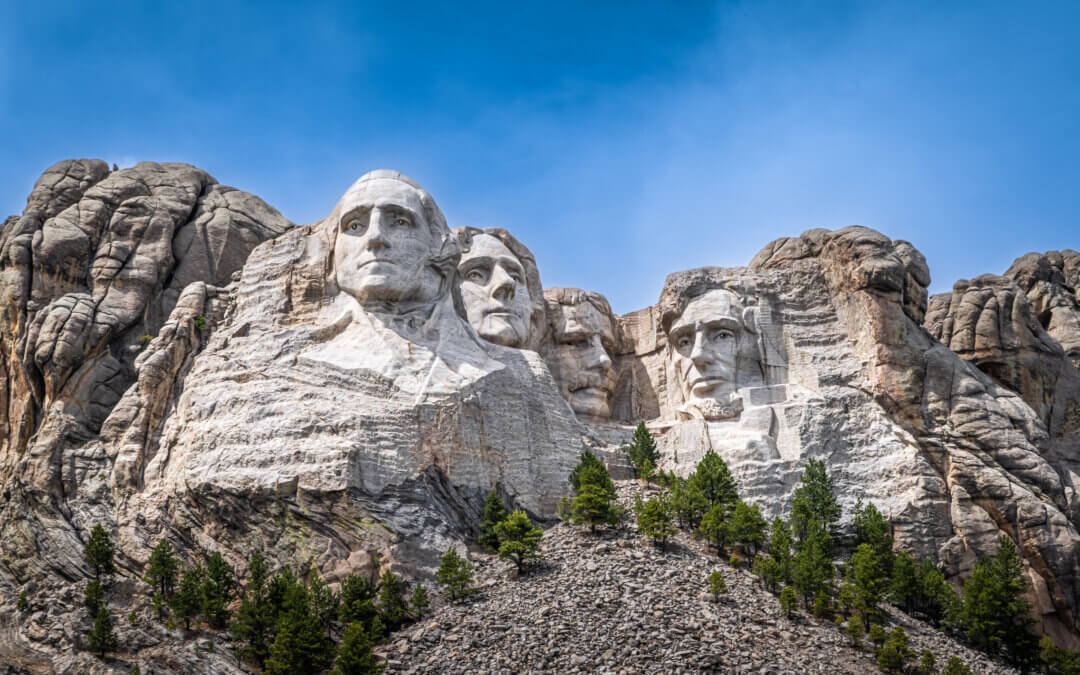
{"points": [[179, 361]]}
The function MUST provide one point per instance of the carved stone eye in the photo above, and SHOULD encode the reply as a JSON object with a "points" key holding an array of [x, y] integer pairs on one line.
{"points": [[353, 225], [402, 221]]}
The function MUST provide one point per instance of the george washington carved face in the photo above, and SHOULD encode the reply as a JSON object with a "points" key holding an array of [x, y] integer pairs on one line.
{"points": [[389, 239]]}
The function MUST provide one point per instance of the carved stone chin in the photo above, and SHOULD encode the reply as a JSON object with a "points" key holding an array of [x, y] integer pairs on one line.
{"points": [[712, 409]]}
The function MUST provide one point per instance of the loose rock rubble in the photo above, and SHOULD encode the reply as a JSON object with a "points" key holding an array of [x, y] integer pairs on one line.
{"points": [[613, 603]]}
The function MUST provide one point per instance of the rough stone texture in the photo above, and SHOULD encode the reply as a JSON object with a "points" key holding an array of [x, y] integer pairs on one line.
{"points": [[612, 603], [323, 396]]}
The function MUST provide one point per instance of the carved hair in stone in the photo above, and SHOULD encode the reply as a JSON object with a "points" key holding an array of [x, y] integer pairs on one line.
{"points": [[583, 334], [716, 345], [392, 248], [500, 287]]}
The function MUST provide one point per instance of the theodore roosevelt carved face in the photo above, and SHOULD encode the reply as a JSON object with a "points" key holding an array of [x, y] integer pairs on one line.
{"points": [[583, 337], [391, 241], [500, 287]]}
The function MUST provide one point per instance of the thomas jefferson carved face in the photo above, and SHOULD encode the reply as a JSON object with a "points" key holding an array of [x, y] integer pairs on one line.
{"points": [[580, 357], [495, 292], [704, 342], [385, 243]]}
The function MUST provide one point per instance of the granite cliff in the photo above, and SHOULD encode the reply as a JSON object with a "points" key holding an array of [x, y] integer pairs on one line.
{"points": [[180, 361]]}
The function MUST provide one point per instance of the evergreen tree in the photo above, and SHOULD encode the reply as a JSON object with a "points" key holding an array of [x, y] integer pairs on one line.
{"points": [[1058, 661], [956, 666], [894, 653], [187, 602], [921, 590], [358, 603], [354, 655], [714, 479], [877, 635], [324, 602], [300, 646], [454, 575], [814, 506], [747, 527], [872, 528], [162, 568], [780, 542], [99, 553], [717, 585], [869, 579], [420, 602], [995, 616], [654, 519], [102, 639], [855, 629], [519, 539], [928, 663], [595, 503], [23, 604], [218, 585], [587, 460], [393, 608], [255, 618], [788, 600], [714, 527], [494, 513], [94, 599], [642, 451], [812, 566], [688, 502]]}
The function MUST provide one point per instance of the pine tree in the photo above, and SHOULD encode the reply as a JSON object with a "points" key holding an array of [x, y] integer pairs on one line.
{"points": [[995, 616], [717, 585], [642, 449], [393, 608], [300, 646], [23, 604], [855, 629], [94, 599], [357, 603], [255, 618], [218, 585], [595, 503], [894, 653], [788, 600], [354, 655], [812, 566], [714, 479], [654, 519], [420, 602], [814, 506], [714, 527], [587, 460], [928, 663], [324, 602], [877, 635], [99, 553], [869, 579], [688, 501], [872, 528], [162, 568], [187, 602], [102, 639], [956, 666], [780, 542], [519, 539], [494, 513], [747, 526], [454, 575]]}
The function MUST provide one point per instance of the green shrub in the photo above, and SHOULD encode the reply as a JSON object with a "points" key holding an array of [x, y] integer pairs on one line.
{"points": [[717, 585], [788, 601]]}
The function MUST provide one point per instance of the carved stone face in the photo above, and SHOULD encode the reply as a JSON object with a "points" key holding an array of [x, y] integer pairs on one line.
{"points": [[384, 244], [494, 292], [581, 361], [705, 344]]}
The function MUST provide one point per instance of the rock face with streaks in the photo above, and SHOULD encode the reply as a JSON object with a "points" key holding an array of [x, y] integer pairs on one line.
{"points": [[177, 360]]}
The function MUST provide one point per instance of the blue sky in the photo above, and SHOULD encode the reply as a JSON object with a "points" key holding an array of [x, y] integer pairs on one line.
{"points": [[620, 141]]}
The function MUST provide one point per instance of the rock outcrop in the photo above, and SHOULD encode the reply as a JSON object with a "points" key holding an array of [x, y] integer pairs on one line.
{"points": [[178, 361]]}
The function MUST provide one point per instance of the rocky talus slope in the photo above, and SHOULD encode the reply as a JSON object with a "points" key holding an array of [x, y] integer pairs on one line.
{"points": [[613, 603]]}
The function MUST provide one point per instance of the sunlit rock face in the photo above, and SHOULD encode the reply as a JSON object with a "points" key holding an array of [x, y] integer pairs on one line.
{"points": [[582, 335], [177, 361], [500, 287]]}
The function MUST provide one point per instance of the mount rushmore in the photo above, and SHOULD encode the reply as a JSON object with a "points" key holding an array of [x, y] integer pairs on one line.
{"points": [[179, 360]]}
